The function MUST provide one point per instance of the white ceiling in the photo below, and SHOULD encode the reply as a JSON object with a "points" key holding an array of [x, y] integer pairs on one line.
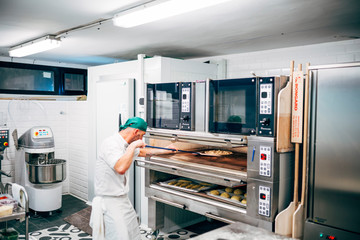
{"points": [[236, 26]]}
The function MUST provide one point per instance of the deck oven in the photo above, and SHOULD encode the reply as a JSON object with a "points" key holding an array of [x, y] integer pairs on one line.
{"points": [[241, 129]]}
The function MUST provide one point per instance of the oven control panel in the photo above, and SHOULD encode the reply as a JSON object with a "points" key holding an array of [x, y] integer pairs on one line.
{"points": [[185, 99], [265, 161], [187, 108], [266, 107], [266, 98], [264, 201]]}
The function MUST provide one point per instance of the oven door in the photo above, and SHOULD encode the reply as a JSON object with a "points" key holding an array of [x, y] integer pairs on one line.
{"points": [[232, 106], [163, 105]]}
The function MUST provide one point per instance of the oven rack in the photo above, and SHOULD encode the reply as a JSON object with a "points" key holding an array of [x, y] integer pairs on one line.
{"points": [[197, 197], [211, 139], [214, 175]]}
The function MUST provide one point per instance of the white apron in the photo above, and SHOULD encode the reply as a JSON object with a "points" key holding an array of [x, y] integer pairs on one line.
{"points": [[120, 219], [97, 219]]}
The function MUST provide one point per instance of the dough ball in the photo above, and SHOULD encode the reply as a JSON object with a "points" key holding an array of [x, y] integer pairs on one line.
{"points": [[184, 184], [243, 201], [238, 191], [236, 198], [215, 192], [225, 195], [172, 182], [229, 190], [184, 181], [205, 184]]}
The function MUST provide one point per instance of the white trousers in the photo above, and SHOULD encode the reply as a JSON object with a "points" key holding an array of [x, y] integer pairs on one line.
{"points": [[120, 219]]}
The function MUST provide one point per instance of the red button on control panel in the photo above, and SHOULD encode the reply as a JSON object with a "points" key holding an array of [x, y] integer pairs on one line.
{"points": [[262, 196]]}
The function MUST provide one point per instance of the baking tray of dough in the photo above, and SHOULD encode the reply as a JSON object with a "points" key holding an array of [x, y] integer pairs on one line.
{"points": [[221, 191], [188, 185]]}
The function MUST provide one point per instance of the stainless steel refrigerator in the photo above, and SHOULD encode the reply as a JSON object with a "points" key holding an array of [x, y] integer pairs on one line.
{"points": [[334, 167]]}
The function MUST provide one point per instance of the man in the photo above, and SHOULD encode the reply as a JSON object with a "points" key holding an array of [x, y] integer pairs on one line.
{"points": [[111, 204]]}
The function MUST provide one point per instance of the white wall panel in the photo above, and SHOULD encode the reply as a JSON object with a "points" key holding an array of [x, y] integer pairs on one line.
{"points": [[78, 144], [277, 61]]}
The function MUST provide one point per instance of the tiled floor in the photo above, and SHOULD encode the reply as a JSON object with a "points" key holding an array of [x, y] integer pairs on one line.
{"points": [[70, 205]]}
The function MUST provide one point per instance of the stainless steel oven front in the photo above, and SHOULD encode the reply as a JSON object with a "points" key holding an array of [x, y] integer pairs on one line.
{"points": [[246, 106], [171, 105]]}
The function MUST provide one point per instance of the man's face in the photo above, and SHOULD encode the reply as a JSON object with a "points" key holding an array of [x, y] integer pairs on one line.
{"points": [[137, 135]]}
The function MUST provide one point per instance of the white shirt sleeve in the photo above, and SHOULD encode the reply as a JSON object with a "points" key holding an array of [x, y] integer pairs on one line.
{"points": [[112, 152]]}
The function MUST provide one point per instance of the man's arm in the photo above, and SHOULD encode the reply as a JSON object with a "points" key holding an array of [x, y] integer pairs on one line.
{"points": [[124, 162]]}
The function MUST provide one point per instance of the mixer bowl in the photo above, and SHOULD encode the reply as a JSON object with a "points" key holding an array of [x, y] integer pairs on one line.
{"points": [[52, 172]]}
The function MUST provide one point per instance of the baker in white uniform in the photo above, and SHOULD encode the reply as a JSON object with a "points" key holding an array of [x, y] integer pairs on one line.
{"points": [[111, 208]]}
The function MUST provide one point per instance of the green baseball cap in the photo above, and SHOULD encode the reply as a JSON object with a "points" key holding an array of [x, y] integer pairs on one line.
{"points": [[135, 122]]}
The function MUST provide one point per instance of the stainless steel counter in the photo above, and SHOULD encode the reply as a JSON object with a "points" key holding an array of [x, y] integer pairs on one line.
{"points": [[237, 231]]}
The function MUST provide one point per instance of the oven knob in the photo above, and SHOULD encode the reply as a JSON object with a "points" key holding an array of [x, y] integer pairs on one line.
{"points": [[186, 118], [265, 121]]}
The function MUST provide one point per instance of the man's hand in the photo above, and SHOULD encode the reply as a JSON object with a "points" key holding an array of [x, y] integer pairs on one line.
{"points": [[138, 144], [172, 146]]}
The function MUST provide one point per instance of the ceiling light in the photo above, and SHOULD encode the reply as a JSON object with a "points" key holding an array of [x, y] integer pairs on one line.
{"points": [[158, 10], [35, 46]]}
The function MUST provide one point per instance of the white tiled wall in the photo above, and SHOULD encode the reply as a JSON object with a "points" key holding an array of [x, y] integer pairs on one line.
{"points": [[277, 61], [77, 125], [68, 121]]}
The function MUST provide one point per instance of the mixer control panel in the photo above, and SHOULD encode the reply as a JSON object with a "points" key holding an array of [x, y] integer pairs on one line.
{"points": [[42, 132], [265, 161], [4, 138], [264, 201]]}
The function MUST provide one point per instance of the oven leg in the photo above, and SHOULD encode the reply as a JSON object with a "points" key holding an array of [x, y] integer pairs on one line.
{"points": [[156, 214]]}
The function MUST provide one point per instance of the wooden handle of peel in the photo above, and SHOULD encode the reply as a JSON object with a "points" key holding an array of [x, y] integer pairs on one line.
{"points": [[297, 155], [306, 114]]}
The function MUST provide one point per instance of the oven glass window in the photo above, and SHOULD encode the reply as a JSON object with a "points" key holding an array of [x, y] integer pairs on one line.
{"points": [[233, 106], [163, 105]]}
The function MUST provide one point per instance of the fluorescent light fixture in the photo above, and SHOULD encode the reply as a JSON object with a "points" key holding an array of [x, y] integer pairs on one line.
{"points": [[35, 46], [159, 10]]}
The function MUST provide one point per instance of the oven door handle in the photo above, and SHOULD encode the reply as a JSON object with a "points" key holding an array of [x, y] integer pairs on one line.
{"points": [[185, 170], [178, 205], [216, 217]]}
